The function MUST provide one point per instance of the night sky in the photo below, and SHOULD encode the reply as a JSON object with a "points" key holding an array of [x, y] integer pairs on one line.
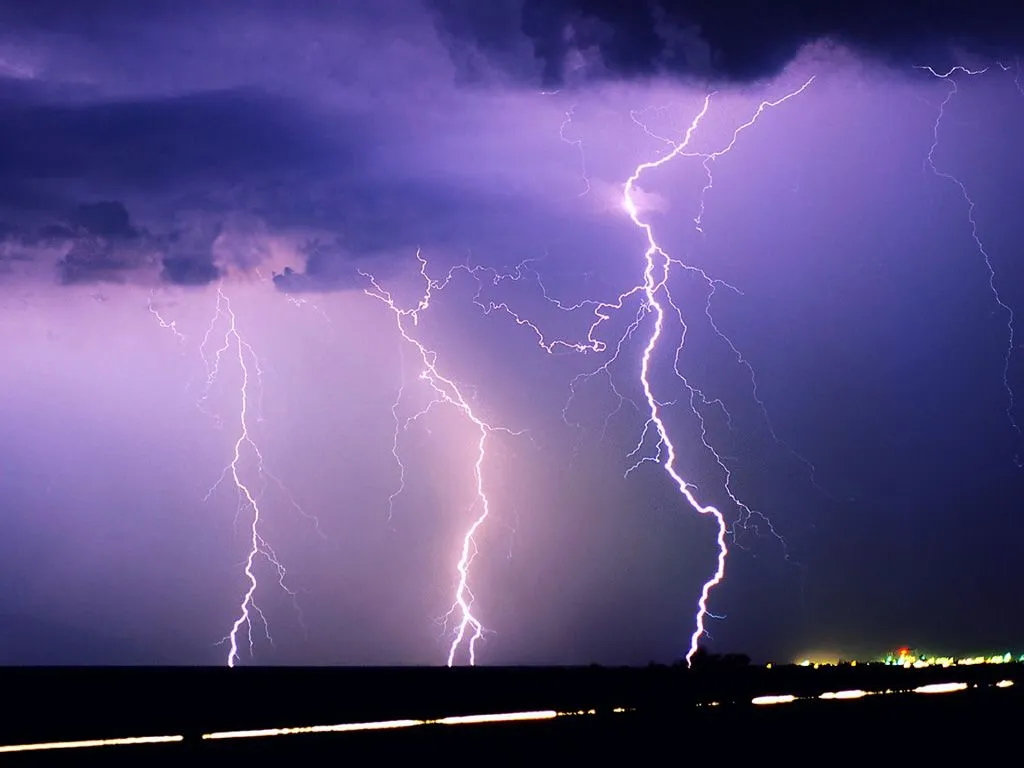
{"points": [[181, 177]]}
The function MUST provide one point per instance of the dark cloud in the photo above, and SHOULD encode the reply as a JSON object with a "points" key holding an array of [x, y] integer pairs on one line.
{"points": [[735, 41], [102, 243], [55, 232], [189, 270], [115, 108], [378, 222], [287, 116], [155, 142], [330, 266], [71, 16], [108, 19], [95, 259], [107, 218], [105, 246], [380, 215], [204, 152]]}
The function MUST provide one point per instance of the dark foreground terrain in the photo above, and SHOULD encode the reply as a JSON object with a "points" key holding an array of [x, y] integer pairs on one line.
{"points": [[648, 714]]}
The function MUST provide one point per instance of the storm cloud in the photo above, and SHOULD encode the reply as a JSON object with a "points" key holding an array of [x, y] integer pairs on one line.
{"points": [[573, 41], [189, 185], [308, 139]]}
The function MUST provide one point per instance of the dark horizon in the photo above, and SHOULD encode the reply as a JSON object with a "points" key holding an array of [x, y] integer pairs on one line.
{"points": [[272, 708]]}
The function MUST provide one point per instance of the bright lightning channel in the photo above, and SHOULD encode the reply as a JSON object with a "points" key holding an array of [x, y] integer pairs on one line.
{"points": [[470, 629], [975, 235], [251, 373], [652, 287], [695, 394], [655, 296]]}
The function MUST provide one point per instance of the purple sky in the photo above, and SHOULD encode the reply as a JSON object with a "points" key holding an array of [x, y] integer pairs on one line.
{"points": [[278, 153]]}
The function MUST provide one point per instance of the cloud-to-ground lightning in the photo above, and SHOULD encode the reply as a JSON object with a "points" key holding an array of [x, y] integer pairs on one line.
{"points": [[652, 285], [235, 346], [976, 235], [655, 299], [657, 265], [248, 609], [470, 629]]}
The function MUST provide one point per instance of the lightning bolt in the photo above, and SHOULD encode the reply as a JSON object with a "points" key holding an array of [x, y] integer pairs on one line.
{"points": [[651, 287], [395, 452], [470, 629], [300, 301], [401, 427], [236, 346], [171, 325], [578, 144], [655, 299], [975, 235], [656, 274], [707, 163]]}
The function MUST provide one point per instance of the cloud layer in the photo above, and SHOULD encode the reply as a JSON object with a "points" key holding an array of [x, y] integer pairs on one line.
{"points": [[353, 134], [722, 42]]}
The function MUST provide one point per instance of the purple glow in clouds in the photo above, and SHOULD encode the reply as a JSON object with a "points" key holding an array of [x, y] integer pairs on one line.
{"points": [[469, 629], [623, 261]]}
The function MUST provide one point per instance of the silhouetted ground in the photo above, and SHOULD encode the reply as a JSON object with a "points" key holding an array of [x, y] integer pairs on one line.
{"points": [[982, 725], [47, 704]]}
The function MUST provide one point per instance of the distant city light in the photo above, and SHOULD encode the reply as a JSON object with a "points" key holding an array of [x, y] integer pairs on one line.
{"points": [[907, 658], [910, 658]]}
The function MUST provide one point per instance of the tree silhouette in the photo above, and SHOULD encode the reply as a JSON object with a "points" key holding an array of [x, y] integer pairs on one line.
{"points": [[704, 659]]}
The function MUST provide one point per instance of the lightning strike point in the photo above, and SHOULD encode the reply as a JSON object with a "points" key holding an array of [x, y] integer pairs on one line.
{"points": [[469, 630], [245, 446], [654, 295]]}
